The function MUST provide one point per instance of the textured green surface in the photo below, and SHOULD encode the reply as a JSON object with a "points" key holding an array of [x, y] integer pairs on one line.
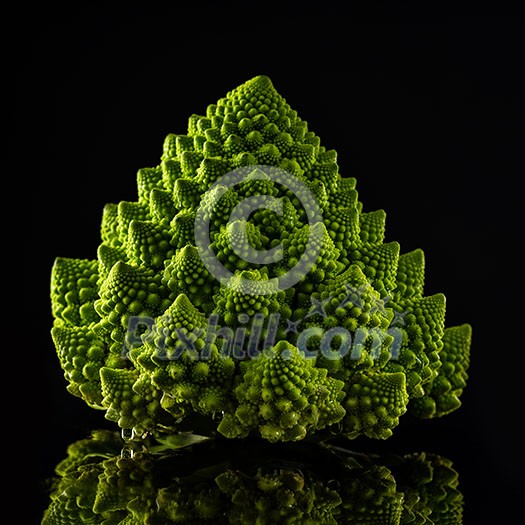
{"points": [[349, 349]]}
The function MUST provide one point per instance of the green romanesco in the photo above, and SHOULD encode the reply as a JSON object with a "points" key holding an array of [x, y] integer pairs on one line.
{"points": [[247, 291]]}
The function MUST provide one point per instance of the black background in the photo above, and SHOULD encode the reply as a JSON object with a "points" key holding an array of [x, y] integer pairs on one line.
{"points": [[426, 114]]}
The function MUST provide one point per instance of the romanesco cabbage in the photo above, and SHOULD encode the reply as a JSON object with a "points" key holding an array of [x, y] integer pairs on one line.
{"points": [[248, 291]]}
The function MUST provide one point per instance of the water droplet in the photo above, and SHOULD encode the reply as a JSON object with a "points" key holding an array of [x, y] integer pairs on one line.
{"points": [[126, 452], [333, 484], [128, 434]]}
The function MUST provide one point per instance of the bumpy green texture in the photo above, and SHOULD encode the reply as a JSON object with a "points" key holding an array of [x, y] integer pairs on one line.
{"points": [[216, 482], [148, 332]]}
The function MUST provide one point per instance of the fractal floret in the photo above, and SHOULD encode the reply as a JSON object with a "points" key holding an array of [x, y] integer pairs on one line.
{"points": [[248, 292]]}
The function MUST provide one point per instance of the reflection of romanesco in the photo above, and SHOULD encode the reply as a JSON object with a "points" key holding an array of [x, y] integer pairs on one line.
{"points": [[215, 482], [145, 332]]}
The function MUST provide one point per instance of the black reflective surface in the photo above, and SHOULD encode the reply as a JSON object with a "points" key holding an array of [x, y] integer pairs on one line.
{"points": [[107, 479]]}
